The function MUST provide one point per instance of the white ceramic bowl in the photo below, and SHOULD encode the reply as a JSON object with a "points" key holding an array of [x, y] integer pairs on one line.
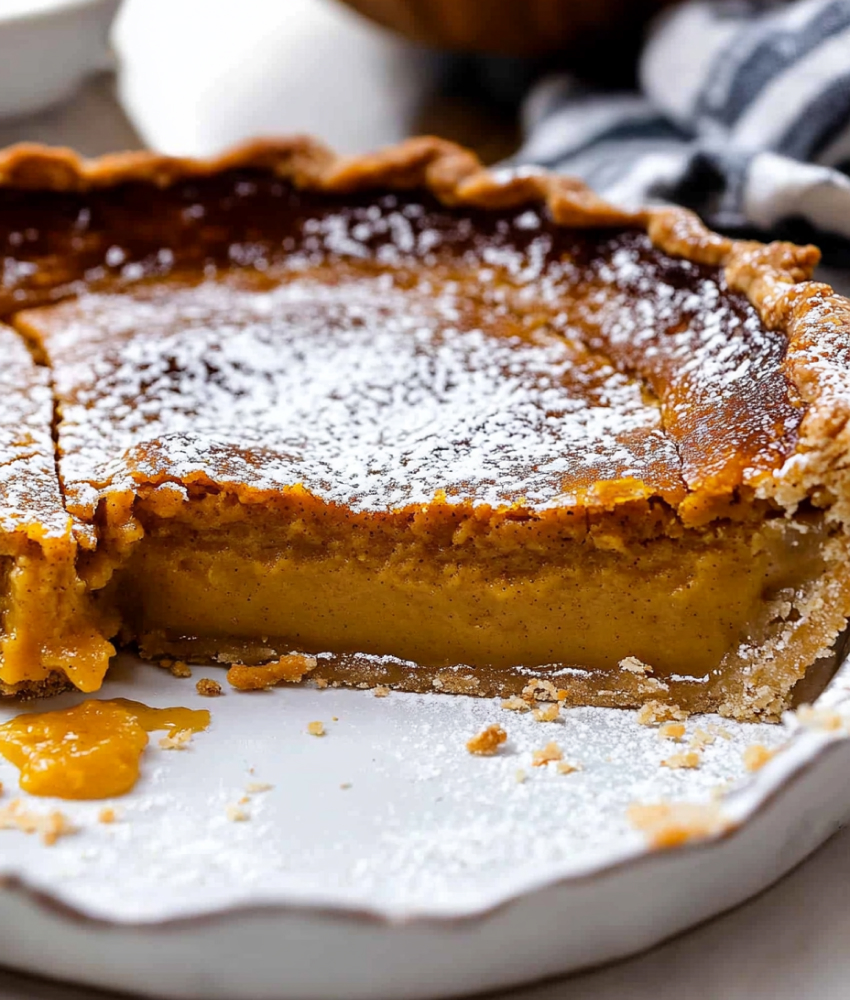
{"points": [[47, 48]]}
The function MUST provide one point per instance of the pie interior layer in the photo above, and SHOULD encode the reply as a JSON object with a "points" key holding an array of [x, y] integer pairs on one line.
{"points": [[455, 447]]}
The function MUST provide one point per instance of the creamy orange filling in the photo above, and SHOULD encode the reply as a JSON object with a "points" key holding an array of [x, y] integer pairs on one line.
{"points": [[48, 622], [91, 751], [454, 588]]}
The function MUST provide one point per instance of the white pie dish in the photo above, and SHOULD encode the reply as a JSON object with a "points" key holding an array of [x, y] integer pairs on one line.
{"points": [[434, 874]]}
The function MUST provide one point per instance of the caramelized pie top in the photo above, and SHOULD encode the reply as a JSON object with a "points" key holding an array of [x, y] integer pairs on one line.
{"points": [[234, 329]]}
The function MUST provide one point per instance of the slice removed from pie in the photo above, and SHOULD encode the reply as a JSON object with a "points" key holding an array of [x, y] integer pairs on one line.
{"points": [[444, 429]]}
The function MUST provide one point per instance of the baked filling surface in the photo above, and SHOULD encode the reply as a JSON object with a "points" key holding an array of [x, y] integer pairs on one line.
{"points": [[456, 447]]}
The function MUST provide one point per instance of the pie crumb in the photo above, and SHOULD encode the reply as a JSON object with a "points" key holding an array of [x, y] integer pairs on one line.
{"points": [[551, 752], [177, 668], [107, 815], [321, 683], [720, 731], [176, 741], [819, 718], [487, 743], [701, 739], [538, 690], [515, 704], [634, 665], [551, 713], [520, 776], [679, 761], [50, 827], [756, 756], [316, 728], [289, 669], [670, 824], [255, 787], [672, 730], [456, 683], [653, 713], [345, 786], [237, 815], [564, 767], [207, 687], [381, 691]]}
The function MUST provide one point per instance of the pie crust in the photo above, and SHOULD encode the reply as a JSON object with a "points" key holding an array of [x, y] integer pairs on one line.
{"points": [[440, 427]]}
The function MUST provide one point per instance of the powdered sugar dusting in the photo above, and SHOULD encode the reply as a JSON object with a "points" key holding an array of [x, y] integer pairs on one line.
{"points": [[388, 810], [29, 490], [380, 351], [366, 394]]}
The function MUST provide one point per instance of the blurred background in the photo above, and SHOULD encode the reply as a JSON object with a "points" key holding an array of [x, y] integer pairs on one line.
{"points": [[191, 76]]}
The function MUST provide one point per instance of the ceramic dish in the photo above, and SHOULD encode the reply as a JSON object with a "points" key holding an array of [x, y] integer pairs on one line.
{"points": [[386, 860], [47, 48]]}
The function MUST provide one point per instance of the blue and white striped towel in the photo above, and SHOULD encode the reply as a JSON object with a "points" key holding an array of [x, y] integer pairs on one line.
{"points": [[743, 115]]}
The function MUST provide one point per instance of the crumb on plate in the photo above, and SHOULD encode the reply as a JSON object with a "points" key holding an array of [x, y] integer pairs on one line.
{"points": [[819, 718], [756, 756], [207, 687], [551, 713], [670, 824], [515, 704], [701, 738], [487, 743], [178, 740], [551, 752], [177, 668], [688, 760], [50, 826], [564, 767], [256, 787]]}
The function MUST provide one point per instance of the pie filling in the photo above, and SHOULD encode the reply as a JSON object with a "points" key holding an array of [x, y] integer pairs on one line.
{"points": [[440, 448], [449, 588]]}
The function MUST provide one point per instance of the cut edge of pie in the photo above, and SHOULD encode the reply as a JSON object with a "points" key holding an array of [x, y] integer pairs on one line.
{"points": [[809, 486]]}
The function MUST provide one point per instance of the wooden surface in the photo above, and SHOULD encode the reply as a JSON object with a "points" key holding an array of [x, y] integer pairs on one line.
{"points": [[306, 65]]}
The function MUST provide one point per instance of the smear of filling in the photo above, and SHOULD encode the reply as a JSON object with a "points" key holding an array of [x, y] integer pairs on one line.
{"points": [[91, 751]]}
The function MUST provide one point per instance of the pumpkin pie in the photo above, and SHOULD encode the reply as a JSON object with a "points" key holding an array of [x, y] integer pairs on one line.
{"points": [[438, 427]]}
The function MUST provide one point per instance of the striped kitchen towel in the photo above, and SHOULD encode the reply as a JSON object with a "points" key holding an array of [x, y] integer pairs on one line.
{"points": [[743, 115]]}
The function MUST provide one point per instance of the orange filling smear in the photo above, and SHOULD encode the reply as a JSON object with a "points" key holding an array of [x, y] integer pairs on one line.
{"points": [[91, 751]]}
